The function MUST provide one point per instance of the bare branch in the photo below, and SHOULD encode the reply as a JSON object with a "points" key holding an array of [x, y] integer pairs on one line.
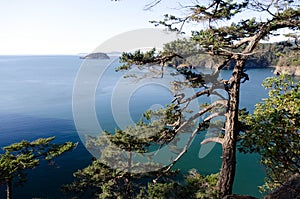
{"points": [[184, 150], [260, 7], [213, 139], [235, 53], [201, 112], [214, 115], [151, 4], [241, 42], [207, 92], [162, 59], [198, 94]]}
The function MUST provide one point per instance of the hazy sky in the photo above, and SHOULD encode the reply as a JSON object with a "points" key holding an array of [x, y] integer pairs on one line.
{"points": [[70, 26]]}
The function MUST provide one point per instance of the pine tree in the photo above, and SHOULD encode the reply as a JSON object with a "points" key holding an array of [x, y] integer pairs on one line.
{"points": [[19, 157], [230, 43], [273, 131]]}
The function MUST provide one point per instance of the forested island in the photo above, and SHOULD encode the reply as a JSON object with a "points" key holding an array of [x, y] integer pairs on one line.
{"points": [[97, 55]]}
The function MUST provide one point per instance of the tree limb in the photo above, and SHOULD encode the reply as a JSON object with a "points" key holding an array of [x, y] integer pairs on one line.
{"points": [[184, 150], [213, 139], [151, 4], [201, 112]]}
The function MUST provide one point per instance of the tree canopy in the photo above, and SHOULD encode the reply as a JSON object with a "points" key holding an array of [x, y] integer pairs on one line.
{"points": [[273, 130], [228, 39], [229, 42], [18, 157]]}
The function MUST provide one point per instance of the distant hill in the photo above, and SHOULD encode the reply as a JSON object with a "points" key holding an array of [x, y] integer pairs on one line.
{"points": [[283, 55]]}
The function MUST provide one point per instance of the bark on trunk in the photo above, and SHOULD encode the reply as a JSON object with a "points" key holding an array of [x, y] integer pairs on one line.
{"points": [[227, 173], [128, 175], [8, 189]]}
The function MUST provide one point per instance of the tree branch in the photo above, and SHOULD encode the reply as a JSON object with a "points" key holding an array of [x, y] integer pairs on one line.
{"points": [[213, 139], [184, 150], [198, 94], [201, 112], [235, 53], [152, 4]]}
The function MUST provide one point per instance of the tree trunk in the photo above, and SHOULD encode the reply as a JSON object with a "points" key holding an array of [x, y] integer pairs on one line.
{"points": [[128, 190], [227, 173], [8, 189]]}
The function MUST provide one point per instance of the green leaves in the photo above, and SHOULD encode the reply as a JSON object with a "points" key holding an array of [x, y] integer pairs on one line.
{"points": [[217, 10], [23, 155], [195, 186], [137, 58], [274, 130], [57, 149]]}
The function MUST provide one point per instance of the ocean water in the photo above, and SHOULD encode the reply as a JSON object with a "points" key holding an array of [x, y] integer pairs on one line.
{"points": [[36, 101]]}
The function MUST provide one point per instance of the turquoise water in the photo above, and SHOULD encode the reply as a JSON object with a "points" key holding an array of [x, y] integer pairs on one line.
{"points": [[36, 101]]}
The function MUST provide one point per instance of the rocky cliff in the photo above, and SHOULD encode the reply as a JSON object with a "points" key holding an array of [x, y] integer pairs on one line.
{"points": [[290, 70]]}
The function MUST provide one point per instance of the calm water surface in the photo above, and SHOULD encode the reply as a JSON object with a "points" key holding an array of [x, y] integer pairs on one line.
{"points": [[36, 101]]}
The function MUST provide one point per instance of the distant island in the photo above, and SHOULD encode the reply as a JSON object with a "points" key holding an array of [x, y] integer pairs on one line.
{"points": [[95, 56]]}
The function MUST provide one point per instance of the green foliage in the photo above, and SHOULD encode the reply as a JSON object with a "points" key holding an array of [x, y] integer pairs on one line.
{"points": [[216, 10], [188, 50], [24, 155], [273, 130], [268, 54], [232, 44], [199, 186], [195, 186], [98, 181], [115, 174], [138, 57], [112, 176], [289, 59], [151, 130]]}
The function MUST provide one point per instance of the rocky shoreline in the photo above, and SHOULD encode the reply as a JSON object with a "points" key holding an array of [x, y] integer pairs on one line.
{"points": [[290, 70]]}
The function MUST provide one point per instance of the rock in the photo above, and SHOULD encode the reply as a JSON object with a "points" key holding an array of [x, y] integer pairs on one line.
{"points": [[238, 197], [180, 66], [290, 70], [289, 190]]}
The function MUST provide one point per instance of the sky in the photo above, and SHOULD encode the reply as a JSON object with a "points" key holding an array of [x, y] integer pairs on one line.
{"points": [[33, 27], [68, 26]]}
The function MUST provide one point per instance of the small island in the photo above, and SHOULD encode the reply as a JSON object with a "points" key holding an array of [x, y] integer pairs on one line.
{"points": [[97, 55]]}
